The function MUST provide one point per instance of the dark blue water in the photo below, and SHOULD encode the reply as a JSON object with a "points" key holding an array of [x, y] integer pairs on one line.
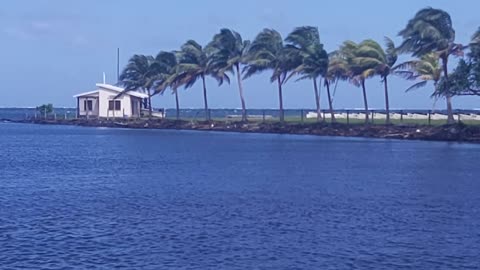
{"points": [[85, 198]]}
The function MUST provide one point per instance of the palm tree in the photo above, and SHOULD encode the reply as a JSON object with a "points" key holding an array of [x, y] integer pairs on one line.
{"points": [[360, 58], [426, 69], [338, 70], [431, 30], [386, 69], [268, 52], [140, 74], [464, 80], [383, 62], [166, 65], [475, 41], [194, 64], [305, 41], [229, 51]]}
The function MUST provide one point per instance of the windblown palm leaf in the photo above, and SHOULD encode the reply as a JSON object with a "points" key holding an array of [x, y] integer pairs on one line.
{"points": [[427, 68], [267, 51], [364, 60], [229, 52], [391, 52], [338, 68], [431, 31], [369, 59], [476, 37], [310, 59], [165, 65], [417, 85], [195, 63], [140, 74]]}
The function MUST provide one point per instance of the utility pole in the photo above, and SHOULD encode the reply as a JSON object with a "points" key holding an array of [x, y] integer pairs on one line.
{"points": [[118, 64]]}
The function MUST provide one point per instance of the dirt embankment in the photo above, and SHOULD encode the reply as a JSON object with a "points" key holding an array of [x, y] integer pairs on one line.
{"points": [[457, 132]]}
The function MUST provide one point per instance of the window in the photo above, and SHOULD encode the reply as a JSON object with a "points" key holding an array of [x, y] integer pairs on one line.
{"points": [[88, 105], [114, 105]]}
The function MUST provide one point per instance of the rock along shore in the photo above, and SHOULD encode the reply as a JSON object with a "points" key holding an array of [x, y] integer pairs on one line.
{"points": [[457, 132]]}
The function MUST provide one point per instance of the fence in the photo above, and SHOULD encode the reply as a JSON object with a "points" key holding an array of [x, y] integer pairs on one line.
{"points": [[61, 114], [348, 116], [354, 116]]}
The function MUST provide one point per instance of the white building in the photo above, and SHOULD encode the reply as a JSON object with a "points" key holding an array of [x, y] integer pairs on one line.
{"points": [[107, 101]]}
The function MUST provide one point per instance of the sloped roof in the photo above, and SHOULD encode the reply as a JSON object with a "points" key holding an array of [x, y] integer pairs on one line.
{"points": [[110, 87], [91, 93], [114, 89]]}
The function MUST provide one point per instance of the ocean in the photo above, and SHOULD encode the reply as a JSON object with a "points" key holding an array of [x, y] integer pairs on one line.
{"points": [[99, 198]]}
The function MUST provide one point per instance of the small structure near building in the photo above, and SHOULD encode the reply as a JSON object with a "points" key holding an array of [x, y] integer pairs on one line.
{"points": [[109, 101]]}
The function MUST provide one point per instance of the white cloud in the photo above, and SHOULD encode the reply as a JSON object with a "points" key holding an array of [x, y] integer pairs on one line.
{"points": [[18, 33], [41, 25], [28, 30], [79, 40]]}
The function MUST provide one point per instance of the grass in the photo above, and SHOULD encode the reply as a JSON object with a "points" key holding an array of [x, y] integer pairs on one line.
{"points": [[298, 120]]}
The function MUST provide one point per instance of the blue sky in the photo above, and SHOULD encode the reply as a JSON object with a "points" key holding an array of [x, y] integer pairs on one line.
{"points": [[53, 49]]}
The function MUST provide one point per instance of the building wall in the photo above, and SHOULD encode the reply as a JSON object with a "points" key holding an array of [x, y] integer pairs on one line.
{"points": [[100, 105], [107, 95], [95, 106]]}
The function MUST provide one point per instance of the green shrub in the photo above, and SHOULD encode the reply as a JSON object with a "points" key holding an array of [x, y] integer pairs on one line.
{"points": [[45, 108]]}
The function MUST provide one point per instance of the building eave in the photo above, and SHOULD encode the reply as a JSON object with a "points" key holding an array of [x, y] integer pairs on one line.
{"points": [[87, 94]]}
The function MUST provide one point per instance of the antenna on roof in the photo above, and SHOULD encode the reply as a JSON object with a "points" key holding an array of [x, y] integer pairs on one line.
{"points": [[118, 64], [104, 78]]}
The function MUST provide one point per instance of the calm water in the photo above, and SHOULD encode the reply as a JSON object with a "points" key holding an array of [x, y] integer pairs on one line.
{"points": [[84, 198]]}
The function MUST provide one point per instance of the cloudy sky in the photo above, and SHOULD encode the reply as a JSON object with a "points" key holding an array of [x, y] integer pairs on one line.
{"points": [[53, 49]]}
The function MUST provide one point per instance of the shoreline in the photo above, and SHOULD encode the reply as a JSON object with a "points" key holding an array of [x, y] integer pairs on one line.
{"points": [[453, 133]]}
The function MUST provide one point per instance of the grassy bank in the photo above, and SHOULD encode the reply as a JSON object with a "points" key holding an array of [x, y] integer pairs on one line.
{"points": [[458, 132], [351, 121]]}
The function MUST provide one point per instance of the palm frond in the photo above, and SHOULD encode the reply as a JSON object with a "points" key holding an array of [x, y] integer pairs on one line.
{"points": [[417, 85], [368, 73], [430, 30], [408, 75], [408, 65]]}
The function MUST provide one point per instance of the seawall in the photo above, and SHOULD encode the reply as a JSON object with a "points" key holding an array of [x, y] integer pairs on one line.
{"points": [[457, 132]]}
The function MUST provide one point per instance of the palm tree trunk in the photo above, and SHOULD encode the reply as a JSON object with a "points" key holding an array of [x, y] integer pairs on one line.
{"points": [[149, 103], [207, 115], [365, 102], [317, 99], [330, 102], [177, 105], [435, 87], [387, 104], [280, 100], [240, 90], [448, 97], [450, 119]]}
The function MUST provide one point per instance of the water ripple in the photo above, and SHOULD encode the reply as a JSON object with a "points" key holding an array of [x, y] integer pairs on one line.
{"points": [[78, 198]]}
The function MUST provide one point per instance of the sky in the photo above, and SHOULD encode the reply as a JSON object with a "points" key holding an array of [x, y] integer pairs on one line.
{"points": [[53, 49]]}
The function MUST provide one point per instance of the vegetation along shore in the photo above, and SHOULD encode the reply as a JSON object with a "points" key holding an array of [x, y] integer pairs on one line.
{"points": [[458, 132], [428, 37]]}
